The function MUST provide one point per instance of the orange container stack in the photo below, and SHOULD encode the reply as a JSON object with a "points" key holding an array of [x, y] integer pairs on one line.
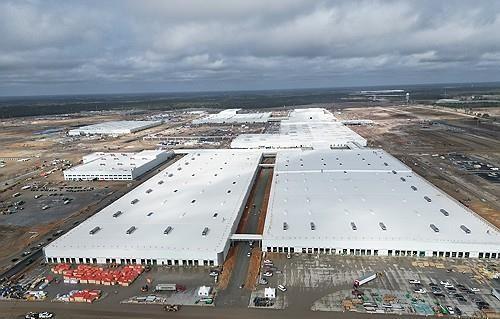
{"points": [[85, 296], [60, 268], [86, 274]]}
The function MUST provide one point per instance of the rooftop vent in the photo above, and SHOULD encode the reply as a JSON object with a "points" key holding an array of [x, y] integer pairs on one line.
{"points": [[465, 229], [382, 226], [313, 227], [285, 226], [94, 230], [386, 164], [444, 211], [414, 188], [118, 213], [353, 226], [427, 199], [394, 172], [403, 179], [167, 230], [135, 201], [160, 182], [205, 231], [150, 213], [149, 191], [434, 228], [131, 230]]}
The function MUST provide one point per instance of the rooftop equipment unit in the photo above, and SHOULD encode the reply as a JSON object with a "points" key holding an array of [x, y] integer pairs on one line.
{"points": [[427, 199], [205, 231], [353, 226], [444, 211], [131, 230], [118, 213], [149, 191], [403, 179], [434, 228], [465, 229], [160, 182], [394, 172], [285, 226], [382, 225], [135, 201], [414, 188], [313, 227], [167, 230], [94, 230]]}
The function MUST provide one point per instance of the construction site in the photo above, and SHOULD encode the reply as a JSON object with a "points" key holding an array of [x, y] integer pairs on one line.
{"points": [[250, 209]]}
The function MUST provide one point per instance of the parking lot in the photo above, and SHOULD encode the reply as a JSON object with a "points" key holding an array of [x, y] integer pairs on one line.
{"points": [[325, 283]]}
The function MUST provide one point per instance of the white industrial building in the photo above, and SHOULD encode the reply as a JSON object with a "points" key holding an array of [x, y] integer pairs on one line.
{"points": [[230, 116], [365, 202], [184, 215], [323, 200], [114, 128], [116, 166], [304, 128]]}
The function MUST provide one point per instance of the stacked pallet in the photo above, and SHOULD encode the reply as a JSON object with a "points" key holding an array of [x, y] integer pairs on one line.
{"points": [[85, 296], [60, 268], [87, 274]]}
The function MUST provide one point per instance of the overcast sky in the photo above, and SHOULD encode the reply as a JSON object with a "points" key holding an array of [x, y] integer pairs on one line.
{"points": [[54, 47]]}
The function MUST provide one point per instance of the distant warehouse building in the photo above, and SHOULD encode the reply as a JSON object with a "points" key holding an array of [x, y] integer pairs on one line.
{"points": [[116, 166], [366, 202], [114, 128], [183, 216], [304, 128]]}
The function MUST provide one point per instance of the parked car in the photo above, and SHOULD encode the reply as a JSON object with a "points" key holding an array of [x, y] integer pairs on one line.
{"points": [[282, 288], [414, 281], [249, 254], [214, 273], [45, 315], [420, 291], [475, 290], [268, 274], [450, 310], [444, 282]]}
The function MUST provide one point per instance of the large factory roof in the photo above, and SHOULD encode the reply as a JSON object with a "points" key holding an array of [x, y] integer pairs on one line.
{"points": [[232, 116], [114, 127], [333, 198], [200, 193]]}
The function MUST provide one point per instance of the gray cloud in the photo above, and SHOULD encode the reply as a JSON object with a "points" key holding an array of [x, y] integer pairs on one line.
{"points": [[102, 46]]}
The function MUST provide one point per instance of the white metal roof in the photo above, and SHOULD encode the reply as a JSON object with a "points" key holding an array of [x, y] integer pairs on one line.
{"points": [[370, 187], [115, 162], [298, 132], [114, 127], [202, 189], [232, 116]]}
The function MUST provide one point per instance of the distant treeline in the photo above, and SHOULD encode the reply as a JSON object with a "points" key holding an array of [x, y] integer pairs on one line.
{"points": [[51, 105]]}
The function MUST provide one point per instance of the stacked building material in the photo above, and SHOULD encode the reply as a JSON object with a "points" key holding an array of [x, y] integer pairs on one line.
{"points": [[85, 296], [86, 274], [60, 268]]}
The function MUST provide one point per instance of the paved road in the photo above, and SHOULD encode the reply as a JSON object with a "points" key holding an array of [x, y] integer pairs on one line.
{"points": [[102, 311], [233, 295]]}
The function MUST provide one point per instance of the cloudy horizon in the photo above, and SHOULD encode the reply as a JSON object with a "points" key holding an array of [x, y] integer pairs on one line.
{"points": [[80, 47]]}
